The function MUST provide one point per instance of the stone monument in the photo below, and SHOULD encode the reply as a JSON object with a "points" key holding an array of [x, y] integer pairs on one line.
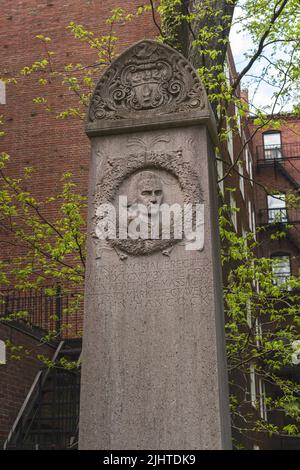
{"points": [[154, 366]]}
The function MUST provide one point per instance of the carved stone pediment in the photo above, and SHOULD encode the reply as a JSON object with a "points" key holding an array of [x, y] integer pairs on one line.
{"points": [[148, 79]]}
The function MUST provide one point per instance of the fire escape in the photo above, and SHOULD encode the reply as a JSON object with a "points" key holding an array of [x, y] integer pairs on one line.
{"points": [[284, 160], [48, 418]]}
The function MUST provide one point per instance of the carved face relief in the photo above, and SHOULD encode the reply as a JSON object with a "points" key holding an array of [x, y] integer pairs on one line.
{"points": [[146, 82], [149, 191], [148, 180], [147, 96]]}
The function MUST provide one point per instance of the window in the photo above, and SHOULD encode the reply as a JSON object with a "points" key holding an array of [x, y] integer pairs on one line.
{"points": [[250, 168], [241, 179], [238, 118], [2, 93], [262, 399], [253, 224], [249, 163], [227, 71], [2, 353], [252, 385], [220, 173], [250, 217], [277, 211], [234, 211], [281, 268], [230, 141], [272, 145]]}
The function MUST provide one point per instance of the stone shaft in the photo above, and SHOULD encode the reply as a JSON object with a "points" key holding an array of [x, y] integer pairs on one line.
{"points": [[154, 368]]}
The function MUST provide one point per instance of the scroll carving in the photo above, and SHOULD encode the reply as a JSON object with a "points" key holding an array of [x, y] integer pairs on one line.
{"points": [[148, 78]]}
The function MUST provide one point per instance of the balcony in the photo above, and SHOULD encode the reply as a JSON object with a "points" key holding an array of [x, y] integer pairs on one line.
{"points": [[267, 154], [279, 216], [60, 314]]}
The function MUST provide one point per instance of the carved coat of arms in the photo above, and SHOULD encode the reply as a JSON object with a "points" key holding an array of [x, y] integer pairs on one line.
{"points": [[147, 78]]}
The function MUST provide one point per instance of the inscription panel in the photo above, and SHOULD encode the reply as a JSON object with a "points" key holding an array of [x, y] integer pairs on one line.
{"points": [[150, 285]]}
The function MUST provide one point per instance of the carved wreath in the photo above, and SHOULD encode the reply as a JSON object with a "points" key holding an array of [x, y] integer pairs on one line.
{"points": [[115, 174]]}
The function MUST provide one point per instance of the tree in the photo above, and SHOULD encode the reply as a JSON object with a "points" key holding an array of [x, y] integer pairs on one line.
{"points": [[51, 249], [262, 331]]}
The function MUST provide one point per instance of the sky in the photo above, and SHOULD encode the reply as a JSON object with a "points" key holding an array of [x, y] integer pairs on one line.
{"points": [[241, 43]]}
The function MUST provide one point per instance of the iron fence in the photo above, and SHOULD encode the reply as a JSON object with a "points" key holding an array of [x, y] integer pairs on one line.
{"points": [[60, 314], [279, 216], [268, 153], [53, 422]]}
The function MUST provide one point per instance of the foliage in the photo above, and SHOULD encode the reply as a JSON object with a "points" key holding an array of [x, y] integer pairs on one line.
{"points": [[262, 324], [50, 249]]}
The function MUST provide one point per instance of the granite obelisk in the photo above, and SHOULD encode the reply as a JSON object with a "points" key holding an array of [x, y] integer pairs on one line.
{"points": [[154, 364]]}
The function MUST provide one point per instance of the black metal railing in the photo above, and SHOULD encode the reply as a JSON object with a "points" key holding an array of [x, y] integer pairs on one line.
{"points": [[279, 216], [53, 423], [60, 313], [49, 416], [268, 153]]}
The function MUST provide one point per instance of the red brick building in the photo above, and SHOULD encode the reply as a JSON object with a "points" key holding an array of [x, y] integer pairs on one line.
{"points": [[277, 152], [52, 146]]}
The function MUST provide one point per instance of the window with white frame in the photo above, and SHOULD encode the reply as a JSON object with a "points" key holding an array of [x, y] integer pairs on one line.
{"points": [[246, 151], [2, 352], [250, 172], [220, 173], [241, 179], [227, 70], [253, 223], [272, 145], [229, 141], [250, 218], [233, 212], [249, 163], [281, 268], [238, 118], [277, 211], [262, 399], [2, 93], [252, 385]]}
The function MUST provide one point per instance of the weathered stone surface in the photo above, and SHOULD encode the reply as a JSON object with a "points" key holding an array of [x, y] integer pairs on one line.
{"points": [[154, 368], [147, 78]]}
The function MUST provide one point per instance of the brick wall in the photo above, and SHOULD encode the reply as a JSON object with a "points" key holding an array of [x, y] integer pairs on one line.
{"points": [[34, 137], [272, 178], [16, 376], [289, 128]]}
